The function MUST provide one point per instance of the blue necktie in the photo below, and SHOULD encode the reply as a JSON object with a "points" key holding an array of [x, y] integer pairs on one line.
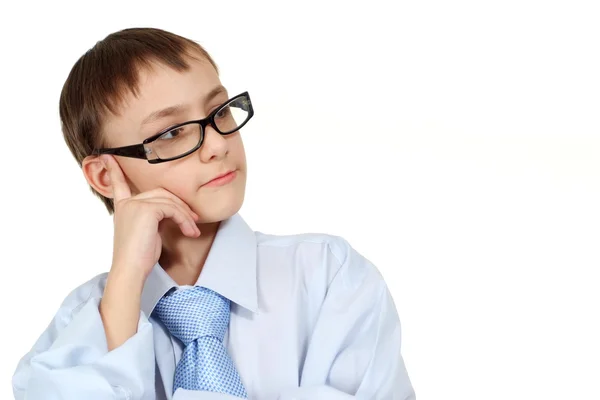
{"points": [[199, 318]]}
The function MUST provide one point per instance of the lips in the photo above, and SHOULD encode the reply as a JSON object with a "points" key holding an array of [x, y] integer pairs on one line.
{"points": [[223, 177]]}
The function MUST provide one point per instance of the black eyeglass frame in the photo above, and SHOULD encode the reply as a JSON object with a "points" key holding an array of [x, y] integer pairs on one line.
{"points": [[139, 151]]}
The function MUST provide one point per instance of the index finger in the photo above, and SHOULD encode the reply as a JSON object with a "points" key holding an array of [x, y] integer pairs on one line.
{"points": [[119, 185]]}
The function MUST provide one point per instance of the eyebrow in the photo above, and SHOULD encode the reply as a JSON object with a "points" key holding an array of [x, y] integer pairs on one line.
{"points": [[179, 108]]}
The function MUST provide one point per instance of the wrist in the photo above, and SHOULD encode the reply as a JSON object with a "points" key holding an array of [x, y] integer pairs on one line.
{"points": [[130, 280], [122, 292], [120, 307]]}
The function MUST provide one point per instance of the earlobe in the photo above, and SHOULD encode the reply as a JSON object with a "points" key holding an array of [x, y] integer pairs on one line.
{"points": [[95, 172]]}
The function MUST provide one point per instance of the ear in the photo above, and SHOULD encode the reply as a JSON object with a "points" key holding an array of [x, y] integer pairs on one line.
{"points": [[96, 174]]}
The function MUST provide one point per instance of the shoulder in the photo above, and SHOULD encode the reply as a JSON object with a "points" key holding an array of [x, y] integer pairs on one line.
{"points": [[330, 256], [316, 243]]}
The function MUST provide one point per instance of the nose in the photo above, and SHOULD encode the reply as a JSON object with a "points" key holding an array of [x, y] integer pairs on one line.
{"points": [[214, 146]]}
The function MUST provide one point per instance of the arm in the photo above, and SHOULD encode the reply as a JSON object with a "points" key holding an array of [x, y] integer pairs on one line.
{"points": [[92, 351], [71, 360], [354, 351]]}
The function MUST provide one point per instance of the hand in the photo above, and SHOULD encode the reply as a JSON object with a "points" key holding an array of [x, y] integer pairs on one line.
{"points": [[137, 248], [137, 243]]}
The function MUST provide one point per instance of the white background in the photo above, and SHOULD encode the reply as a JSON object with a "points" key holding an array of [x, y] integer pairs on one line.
{"points": [[456, 144]]}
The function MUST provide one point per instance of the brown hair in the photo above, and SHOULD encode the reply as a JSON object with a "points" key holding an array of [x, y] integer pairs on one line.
{"points": [[106, 73]]}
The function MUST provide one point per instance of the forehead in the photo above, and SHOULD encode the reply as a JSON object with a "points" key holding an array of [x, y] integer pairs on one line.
{"points": [[159, 87]]}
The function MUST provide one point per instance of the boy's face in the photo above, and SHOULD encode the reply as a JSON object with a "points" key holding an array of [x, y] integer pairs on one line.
{"points": [[196, 92]]}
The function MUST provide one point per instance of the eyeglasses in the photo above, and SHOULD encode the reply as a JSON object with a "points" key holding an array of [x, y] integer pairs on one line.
{"points": [[183, 139]]}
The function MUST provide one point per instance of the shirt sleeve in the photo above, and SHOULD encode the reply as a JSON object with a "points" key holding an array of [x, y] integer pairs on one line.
{"points": [[70, 360], [354, 351]]}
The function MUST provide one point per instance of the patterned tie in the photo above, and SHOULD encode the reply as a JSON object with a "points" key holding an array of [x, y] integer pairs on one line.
{"points": [[199, 318]]}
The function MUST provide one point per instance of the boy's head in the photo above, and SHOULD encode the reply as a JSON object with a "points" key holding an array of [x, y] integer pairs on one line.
{"points": [[135, 84]]}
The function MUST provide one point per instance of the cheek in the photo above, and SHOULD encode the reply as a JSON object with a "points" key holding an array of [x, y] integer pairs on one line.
{"points": [[182, 185], [138, 175], [237, 153], [143, 177]]}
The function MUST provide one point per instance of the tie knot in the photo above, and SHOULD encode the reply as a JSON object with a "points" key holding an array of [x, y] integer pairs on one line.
{"points": [[192, 313]]}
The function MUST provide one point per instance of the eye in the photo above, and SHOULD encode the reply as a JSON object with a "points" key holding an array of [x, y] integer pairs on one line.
{"points": [[223, 113], [173, 133]]}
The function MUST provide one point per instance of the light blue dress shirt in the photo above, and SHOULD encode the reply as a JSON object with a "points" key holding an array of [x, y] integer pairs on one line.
{"points": [[310, 319]]}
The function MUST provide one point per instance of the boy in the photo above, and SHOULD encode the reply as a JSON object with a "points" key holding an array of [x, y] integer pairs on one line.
{"points": [[196, 305]]}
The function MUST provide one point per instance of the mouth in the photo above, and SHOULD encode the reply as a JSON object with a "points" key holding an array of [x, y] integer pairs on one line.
{"points": [[222, 179]]}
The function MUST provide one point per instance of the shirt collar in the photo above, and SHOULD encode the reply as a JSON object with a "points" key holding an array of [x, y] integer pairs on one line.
{"points": [[230, 269]]}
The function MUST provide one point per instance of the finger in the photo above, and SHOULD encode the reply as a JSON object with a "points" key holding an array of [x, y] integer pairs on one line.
{"points": [[119, 185], [167, 200], [166, 208], [149, 196], [164, 193]]}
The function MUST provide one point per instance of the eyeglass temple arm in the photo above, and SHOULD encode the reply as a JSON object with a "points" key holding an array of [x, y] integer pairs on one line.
{"points": [[133, 151]]}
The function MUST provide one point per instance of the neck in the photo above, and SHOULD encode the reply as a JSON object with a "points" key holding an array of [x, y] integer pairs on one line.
{"points": [[183, 257]]}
